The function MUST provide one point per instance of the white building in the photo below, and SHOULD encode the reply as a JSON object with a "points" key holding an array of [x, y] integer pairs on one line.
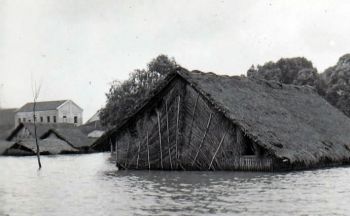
{"points": [[95, 117], [51, 112]]}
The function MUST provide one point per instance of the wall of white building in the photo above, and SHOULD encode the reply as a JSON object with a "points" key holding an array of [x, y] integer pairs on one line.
{"points": [[41, 116], [68, 112]]}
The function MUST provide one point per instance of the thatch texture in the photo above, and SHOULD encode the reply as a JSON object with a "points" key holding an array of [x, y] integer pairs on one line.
{"points": [[4, 145], [65, 132], [73, 136], [40, 128], [93, 129], [47, 146], [292, 121], [196, 120]]}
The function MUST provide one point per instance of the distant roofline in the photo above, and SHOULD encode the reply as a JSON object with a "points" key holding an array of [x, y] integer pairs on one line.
{"points": [[9, 109], [72, 102], [19, 110]]}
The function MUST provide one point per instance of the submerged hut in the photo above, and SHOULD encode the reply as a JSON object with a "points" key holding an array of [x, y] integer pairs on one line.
{"points": [[47, 147], [27, 130], [4, 145], [203, 121], [74, 136], [62, 138]]}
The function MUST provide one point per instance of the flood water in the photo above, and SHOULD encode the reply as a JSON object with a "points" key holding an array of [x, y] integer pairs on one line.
{"points": [[90, 185]]}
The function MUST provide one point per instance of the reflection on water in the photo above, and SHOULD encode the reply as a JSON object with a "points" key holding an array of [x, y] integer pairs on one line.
{"points": [[90, 185]]}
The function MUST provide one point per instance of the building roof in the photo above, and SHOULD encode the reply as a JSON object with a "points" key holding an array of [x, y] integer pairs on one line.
{"points": [[51, 146], [40, 129], [7, 117], [7, 122], [95, 117], [91, 126], [73, 136], [290, 121], [4, 145], [41, 106]]}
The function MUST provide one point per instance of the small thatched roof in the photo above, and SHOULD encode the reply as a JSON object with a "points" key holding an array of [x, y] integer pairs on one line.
{"points": [[40, 129], [91, 126], [50, 146], [4, 145], [73, 136], [290, 121]]}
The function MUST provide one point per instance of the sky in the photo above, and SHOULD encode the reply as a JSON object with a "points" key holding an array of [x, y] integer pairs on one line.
{"points": [[74, 49]]}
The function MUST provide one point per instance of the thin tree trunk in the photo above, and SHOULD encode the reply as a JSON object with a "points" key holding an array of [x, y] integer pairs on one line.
{"points": [[36, 137]]}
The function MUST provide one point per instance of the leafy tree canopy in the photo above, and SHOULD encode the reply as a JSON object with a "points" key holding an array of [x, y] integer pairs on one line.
{"points": [[122, 97], [333, 84]]}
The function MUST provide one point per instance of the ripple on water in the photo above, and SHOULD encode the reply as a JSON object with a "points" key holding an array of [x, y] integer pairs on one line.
{"points": [[91, 185]]}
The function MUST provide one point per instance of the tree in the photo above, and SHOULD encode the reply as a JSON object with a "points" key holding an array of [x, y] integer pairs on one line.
{"points": [[286, 70], [333, 84], [36, 91], [336, 81], [123, 97]]}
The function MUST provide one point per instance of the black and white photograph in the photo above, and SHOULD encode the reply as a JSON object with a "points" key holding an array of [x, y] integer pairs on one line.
{"points": [[186, 107]]}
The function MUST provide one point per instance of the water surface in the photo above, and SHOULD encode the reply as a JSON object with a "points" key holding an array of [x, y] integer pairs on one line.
{"points": [[91, 185]]}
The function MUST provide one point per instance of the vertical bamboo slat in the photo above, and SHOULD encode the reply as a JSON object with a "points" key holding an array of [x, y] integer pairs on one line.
{"points": [[116, 151], [127, 153], [217, 150], [160, 141], [149, 165], [192, 121], [138, 155], [202, 141], [177, 128], [110, 142], [168, 133]]}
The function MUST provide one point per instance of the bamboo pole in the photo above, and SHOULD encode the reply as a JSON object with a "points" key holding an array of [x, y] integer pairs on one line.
{"points": [[36, 136], [217, 150], [177, 128], [202, 141], [160, 141], [192, 121], [111, 144], [149, 165], [138, 155], [116, 151], [168, 132], [127, 153]]}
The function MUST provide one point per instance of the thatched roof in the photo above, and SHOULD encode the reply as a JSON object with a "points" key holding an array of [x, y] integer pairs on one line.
{"points": [[290, 121], [4, 145], [73, 136], [91, 126], [40, 129], [7, 116], [48, 146]]}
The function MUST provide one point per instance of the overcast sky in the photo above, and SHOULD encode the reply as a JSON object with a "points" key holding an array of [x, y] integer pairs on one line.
{"points": [[75, 48]]}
